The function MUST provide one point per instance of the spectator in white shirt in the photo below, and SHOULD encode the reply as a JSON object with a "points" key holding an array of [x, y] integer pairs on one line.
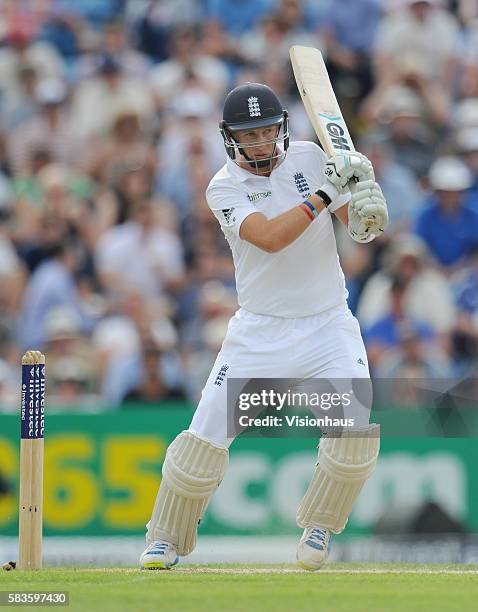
{"points": [[170, 76], [419, 31], [140, 255], [99, 99]]}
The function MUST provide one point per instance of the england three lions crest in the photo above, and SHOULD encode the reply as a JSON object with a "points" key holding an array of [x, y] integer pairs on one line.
{"points": [[302, 184], [253, 106]]}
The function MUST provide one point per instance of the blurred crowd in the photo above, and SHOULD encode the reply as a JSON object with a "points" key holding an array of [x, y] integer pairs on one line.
{"points": [[110, 260]]}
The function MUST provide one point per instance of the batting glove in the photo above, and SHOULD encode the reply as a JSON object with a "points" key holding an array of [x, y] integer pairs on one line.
{"points": [[368, 214], [343, 168]]}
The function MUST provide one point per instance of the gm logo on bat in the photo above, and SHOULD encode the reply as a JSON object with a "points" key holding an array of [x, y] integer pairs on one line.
{"points": [[337, 136]]}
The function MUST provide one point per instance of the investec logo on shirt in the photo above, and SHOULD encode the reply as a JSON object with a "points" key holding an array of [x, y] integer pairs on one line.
{"points": [[253, 197]]}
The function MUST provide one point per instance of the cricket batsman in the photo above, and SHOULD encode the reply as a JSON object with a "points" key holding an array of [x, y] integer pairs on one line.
{"points": [[274, 200]]}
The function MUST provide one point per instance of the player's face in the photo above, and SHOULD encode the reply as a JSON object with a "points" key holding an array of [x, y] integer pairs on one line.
{"points": [[258, 144]]}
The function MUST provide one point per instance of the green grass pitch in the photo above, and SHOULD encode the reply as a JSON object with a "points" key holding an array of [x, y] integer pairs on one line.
{"points": [[260, 588]]}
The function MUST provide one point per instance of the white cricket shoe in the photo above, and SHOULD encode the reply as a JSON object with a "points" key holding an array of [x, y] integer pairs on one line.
{"points": [[313, 548], [159, 555]]}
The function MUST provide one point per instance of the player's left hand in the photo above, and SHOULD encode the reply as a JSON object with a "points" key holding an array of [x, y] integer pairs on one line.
{"points": [[368, 213], [345, 167]]}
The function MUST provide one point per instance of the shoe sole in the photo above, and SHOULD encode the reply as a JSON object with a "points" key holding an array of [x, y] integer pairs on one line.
{"points": [[309, 568], [155, 565], [159, 565]]}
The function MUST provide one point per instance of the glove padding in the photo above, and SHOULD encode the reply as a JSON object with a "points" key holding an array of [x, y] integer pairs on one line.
{"points": [[345, 169], [368, 214]]}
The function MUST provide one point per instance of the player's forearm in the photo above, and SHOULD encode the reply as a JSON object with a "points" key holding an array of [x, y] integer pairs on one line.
{"points": [[342, 214], [288, 226], [273, 235]]}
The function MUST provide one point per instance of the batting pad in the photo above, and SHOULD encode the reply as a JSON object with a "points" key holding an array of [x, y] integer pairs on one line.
{"points": [[344, 464], [192, 471]]}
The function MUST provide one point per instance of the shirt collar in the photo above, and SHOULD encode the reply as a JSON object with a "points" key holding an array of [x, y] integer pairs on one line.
{"points": [[241, 174]]}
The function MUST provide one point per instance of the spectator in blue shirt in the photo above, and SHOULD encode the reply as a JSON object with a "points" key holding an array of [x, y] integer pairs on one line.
{"points": [[467, 145], [97, 12], [51, 285], [387, 332], [465, 333], [340, 21], [348, 47], [448, 224], [238, 16], [465, 285]]}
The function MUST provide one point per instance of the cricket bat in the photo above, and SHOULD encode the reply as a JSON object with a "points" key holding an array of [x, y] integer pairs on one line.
{"points": [[319, 99]]}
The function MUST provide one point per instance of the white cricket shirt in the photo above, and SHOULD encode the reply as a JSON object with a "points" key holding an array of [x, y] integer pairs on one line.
{"points": [[302, 279]]}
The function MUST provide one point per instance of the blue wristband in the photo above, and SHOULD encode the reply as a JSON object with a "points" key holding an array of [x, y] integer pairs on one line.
{"points": [[314, 211]]}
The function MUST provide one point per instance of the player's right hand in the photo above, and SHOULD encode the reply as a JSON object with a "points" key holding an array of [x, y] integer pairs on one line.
{"points": [[368, 214], [343, 168]]}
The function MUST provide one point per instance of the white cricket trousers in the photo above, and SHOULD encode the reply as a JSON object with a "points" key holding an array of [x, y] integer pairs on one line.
{"points": [[327, 345]]}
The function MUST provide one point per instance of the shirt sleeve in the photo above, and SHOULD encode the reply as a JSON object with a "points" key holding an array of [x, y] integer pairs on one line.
{"points": [[341, 200], [230, 207]]}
